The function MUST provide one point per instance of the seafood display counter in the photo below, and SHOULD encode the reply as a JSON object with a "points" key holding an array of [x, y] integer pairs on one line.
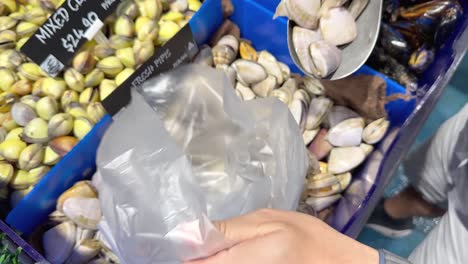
{"points": [[265, 34]]}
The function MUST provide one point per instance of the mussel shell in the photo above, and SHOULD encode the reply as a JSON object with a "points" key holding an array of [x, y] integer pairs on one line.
{"points": [[394, 43], [448, 21], [421, 59]]}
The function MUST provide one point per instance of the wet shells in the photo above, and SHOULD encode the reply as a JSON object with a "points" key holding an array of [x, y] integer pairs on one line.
{"points": [[82, 189], [318, 109], [309, 135], [85, 212], [22, 113], [303, 12], [338, 26], [249, 72], [270, 64], [326, 58], [223, 54], [36, 131], [345, 159], [320, 203], [375, 131], [263, 88], [31, 157], [58, 242], [6, 173], [313, 86], [299, 112], [302, 39], [230, 41], [347, 133], [284, 95], [338, 114], [320, 147]]}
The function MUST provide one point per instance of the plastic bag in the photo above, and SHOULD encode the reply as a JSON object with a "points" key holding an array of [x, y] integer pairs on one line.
{"points": [[193, 152]]}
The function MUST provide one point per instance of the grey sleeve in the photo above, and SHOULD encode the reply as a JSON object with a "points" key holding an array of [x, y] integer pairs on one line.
{"points": [[389, 258]]}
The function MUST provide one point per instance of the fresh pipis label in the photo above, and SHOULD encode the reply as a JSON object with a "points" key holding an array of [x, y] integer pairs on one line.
{"points": [[179, 50], [55, 43]]}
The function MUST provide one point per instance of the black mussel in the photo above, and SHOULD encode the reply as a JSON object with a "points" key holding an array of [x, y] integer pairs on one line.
{"points": [[421, 59], [394, 43], [390, 10], [433, 8], [416, 32], [448, 21]]}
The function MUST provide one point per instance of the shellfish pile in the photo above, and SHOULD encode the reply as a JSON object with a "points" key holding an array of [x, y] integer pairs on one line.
{"points": [[410, 36], [42, 118], [322, 26], [71, 235], [338, 139]]}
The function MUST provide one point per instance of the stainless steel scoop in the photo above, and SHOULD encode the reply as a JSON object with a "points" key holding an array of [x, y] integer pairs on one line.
{"points": [[356, 53]]}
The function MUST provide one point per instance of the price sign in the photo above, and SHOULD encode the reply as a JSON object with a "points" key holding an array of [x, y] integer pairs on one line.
{"points": [[55, 43]]}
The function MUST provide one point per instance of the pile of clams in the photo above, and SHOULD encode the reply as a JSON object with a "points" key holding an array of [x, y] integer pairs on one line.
{"points": [[322, 26], [338, 139], [71, 235]]}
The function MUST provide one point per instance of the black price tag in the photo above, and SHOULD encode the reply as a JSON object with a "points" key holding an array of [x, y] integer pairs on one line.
{"points": [[180, 49], [75, 22]]}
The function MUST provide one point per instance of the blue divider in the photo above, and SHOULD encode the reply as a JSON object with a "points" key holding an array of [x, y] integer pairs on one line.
{"points": [[256, 25]]}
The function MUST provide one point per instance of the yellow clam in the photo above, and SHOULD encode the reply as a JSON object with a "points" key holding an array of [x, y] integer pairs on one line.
{"points": [[122, 76], [50, 157], [247, 52], [8, 122], [167, 30], [6, 173], [94, 78], [106, 88], [14, 134], [21, 87], [6, 101], [103, 51], [111, 66], [53, 87], [89, 95], [81, 127], [146, 29], [143, 51], [30, 71], [60, 125], [36, 131], [126, 56], [7, 79], [10, 59], [7, 23], [26, 29], [63, 145], [76, 110], [84, 62], [31, 157], [150, 8], [95, 112], [47, 107], [74, 79], [30, 100], [11, 149], [124, 26], [22, 113], [67, 97]]}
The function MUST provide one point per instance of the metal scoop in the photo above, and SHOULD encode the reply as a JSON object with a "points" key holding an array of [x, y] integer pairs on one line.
{"points": [[356, 53]]}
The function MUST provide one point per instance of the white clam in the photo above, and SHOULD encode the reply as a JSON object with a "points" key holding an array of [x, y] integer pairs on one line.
{"points": [[58, 242], [320, 203], [85, 212], [291, 85], [230, 41], [356, 7], [249, 72], [345, 159], [247, 93], [263, 88], [285, 70], [322, 180], [348, 133], [309, 135], [283, 94], [326, 184], [326, 58], [302, 38], [84, 252], [303, 96], [303, 12], [229, 71], [313, 86], [270, 64], [375, 131], [338, 114], [318, 109], [338, 26], [367, 148], [299, 112]]}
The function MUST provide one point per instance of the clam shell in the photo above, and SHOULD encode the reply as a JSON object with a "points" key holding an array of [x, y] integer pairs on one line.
{"points": [[229, 71], [375, 131], [223, 54], [22, 113], [302, 38], [313, 86], [367, 148], [318, 109], [338, 114], [58, 242], [247, 93], [303, 12], [299, 112], [84, 252], [284, 95], [338, 26], [309, 135], [285, 70], [326, 58], [291, 85], [80, 189], [348, 133], [345, 159], [263, 88], [303, 96], [322, 180], [270, 64], [320, 203], [328, 184], [85, 212], [320, 147], [249, 72], [230, 41]]}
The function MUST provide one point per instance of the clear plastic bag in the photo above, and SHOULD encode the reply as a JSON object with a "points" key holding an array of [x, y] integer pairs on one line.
{"points": [[194, 152]]}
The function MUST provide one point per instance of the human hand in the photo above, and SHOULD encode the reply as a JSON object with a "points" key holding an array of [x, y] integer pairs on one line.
{"points": [[278, 237]]}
